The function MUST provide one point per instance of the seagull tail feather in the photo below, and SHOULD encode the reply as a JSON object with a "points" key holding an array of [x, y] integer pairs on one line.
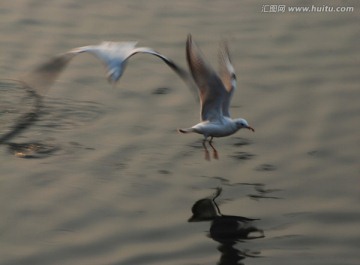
{"points": [[188, 130]]}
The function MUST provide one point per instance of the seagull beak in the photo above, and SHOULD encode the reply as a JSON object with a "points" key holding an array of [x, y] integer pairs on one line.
{"points": [[251, 128]]}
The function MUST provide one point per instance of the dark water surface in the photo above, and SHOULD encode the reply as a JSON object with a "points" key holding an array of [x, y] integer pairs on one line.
{"points": [[97, 175]]}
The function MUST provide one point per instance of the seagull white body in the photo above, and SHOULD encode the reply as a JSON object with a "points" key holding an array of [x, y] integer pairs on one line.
{"points": [[215, 95], [218, 128], [114, 55]]}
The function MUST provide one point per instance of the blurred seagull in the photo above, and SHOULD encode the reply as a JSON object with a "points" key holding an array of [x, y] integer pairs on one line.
{"points": [[114, 56], [215, 96]]}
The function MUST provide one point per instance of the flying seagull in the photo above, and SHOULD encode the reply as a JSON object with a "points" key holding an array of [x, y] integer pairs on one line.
{"points": [[114, 55], [215, 95]]}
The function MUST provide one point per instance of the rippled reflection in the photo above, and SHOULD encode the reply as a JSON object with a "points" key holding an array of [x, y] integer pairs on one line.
{"points": [[228, 230], [261, 192], [21, 109], [21, 114]]}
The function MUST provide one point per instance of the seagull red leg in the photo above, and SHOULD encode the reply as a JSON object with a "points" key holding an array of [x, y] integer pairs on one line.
{"points": [[207, 155], [215, 152]]}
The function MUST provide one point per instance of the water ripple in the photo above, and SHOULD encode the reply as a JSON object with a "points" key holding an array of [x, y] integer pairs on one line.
{"points": [[22, 110]]}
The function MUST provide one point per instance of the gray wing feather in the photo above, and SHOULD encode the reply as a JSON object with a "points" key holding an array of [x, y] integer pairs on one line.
{"points": [[228, 77], [182, 73], [211, 89], [42, 77]]}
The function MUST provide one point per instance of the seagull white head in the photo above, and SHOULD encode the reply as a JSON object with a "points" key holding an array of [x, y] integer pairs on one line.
{"points": [[242, 123]]}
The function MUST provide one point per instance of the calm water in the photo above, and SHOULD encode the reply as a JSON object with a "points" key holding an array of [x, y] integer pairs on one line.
{"points": [[102, 176]]}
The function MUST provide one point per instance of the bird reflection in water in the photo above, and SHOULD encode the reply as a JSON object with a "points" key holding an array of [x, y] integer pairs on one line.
{"points": [[22, 102], [228, 230]]}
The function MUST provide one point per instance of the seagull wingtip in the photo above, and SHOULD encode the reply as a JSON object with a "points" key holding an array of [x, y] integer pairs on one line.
{"points": [[189, 38]]}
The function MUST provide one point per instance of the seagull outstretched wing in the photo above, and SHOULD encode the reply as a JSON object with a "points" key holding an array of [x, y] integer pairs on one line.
{"points": [[211, 89], [228, 77]]}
